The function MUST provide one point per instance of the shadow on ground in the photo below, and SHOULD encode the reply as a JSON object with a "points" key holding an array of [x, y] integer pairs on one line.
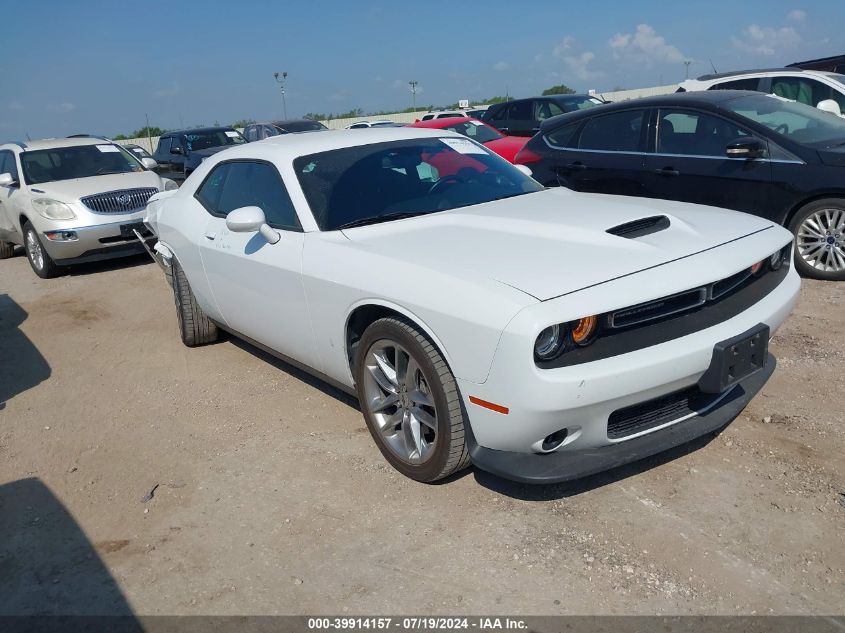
{"points": [[21, 364], [48, 567]]}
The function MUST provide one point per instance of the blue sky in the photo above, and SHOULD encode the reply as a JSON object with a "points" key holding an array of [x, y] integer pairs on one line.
{"points": [[100, 66]]}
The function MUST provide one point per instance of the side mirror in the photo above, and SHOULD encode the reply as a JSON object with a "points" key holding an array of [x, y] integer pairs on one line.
{"points": [[525, 170], [6, 180], [149, 163], [251, 220], [745, 147], [176, 150], [829, 105]]}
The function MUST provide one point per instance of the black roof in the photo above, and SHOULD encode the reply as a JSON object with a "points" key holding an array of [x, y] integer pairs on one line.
{"points": [[297, 125], [198, 130], [833, 59]]}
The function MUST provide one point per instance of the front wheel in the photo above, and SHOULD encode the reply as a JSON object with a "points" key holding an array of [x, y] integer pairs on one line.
{"points": [[195, 328], [410, 401], [40, 260], [819, 229]]}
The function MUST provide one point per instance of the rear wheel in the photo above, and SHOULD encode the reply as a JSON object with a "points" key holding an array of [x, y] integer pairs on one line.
{"points": [[819, 229], [195, 327], [39, 259], [7, 250], [410, 401]]}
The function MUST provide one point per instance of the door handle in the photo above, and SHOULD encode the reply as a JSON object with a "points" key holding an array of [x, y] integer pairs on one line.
{"points": [[667, 171], [503, 130], [576, 166], [210, 235]]}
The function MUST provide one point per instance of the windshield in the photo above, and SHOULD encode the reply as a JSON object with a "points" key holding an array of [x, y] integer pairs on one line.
{"points": [[796, 121], [301, 126], [81, 161], [570, 105], [218, 138], [372, 183], [475, 130]]}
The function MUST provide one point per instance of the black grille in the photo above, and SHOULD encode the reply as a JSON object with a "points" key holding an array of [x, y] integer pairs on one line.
{"points": [[726, 285], [123, 201], [641, 227], [653, 413], [659, 308]]}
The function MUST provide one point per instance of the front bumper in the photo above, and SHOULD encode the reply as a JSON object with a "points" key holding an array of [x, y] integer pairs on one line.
{"points": [[96, 242], [556, 467]]}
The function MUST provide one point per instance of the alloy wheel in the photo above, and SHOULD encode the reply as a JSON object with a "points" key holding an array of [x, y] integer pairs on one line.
{"points": [[398, 397], [821, 240], [33, 249]]}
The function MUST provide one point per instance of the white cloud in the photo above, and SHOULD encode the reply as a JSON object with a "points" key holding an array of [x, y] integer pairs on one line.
{"points": [[65, 106], [645, 46], [563, 46], [578, 65], [172, 91], [501, 66], [15, 105], [765, 40], [796, 15]]}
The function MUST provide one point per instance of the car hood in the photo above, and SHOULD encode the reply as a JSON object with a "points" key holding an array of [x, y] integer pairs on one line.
{"points": [[554, 242], [73, 190]]}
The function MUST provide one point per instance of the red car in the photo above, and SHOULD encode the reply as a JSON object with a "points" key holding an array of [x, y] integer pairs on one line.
{"points": [[490, 137]]}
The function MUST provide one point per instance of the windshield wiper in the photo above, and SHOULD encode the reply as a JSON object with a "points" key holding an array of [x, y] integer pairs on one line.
{"points": [[379, 218]]}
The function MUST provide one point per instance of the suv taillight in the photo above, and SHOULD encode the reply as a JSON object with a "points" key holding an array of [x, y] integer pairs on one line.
{"points": [[526, 156]]}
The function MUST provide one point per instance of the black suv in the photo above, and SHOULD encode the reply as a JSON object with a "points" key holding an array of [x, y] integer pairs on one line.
{"points": [[180, 152], [259, 131], [522, 117]]}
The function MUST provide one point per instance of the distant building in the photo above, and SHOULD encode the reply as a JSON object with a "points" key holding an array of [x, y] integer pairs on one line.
{"points": [[835, 64]]}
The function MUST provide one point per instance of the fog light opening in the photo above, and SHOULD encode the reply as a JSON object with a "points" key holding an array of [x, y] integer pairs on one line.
{"points": [[553, 441], [61, 236]]}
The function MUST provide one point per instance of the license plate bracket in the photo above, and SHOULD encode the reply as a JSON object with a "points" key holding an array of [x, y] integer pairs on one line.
{"points": [[735, 359], [127, 231]]}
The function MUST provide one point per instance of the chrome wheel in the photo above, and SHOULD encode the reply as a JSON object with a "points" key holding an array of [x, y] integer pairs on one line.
{"points": [[33, 249], [400, 401], [821, 240]]}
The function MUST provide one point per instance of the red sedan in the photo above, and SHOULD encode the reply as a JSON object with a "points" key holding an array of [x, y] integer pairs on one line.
{"points": [[490, 137]]}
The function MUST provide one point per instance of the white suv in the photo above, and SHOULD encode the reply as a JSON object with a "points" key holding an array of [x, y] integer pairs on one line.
{"points": [[73, 200], [812, 87]]}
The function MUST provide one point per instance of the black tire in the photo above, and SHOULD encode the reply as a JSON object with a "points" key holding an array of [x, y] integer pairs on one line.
{"points": [[39, 259], [837, 234], [7, 250], [449, 452], [194, 327]]}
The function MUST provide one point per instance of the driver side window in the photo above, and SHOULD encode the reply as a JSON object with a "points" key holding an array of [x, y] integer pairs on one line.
{"points": [[694, 133], [237, 184], [7, 165]]}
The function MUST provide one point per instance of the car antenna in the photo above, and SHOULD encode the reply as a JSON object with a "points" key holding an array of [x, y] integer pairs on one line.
{"points": [[715, 72]]}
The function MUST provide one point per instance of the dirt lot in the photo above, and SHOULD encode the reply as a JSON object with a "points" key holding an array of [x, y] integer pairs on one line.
{"points": [[270, 497]]}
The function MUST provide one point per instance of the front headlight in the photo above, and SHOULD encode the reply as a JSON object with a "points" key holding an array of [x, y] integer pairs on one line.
{"points": [[169, 185], [548, 343], [53, 209]]}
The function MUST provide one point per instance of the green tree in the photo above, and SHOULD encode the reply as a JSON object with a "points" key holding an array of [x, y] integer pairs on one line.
{"points": [[561, 89], [242, 123], [145, 131]]}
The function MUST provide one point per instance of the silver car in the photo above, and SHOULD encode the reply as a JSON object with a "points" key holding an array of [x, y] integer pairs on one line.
{"points": [[73, 200]]}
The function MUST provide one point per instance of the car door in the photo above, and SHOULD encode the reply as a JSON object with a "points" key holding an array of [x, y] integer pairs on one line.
{"points": [[690, 163], [520, 118], [10, 196], [606, 156], [256, 285]]}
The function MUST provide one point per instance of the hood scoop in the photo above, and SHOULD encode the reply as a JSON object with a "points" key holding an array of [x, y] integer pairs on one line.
{"points": [[641, 227]]}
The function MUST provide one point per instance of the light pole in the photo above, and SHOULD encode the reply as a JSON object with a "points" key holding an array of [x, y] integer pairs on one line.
{"points": [[687, 63], [281, 82], [413, 85]]}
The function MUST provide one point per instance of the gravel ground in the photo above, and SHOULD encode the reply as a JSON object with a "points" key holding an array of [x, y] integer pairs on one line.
{"points": [[139, 475]]}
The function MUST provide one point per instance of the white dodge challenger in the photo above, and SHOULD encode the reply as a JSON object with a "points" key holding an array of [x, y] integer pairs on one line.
{"points": [[542, 335]]}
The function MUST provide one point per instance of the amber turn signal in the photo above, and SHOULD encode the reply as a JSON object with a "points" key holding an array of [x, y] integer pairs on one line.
{"points": [[584, 329]]}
